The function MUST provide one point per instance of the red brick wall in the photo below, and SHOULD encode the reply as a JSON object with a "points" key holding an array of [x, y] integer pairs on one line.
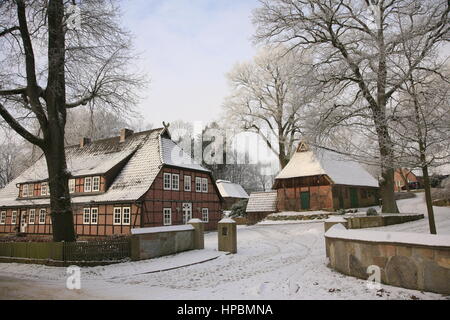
{"points": [[156, 199], [288, 199]]}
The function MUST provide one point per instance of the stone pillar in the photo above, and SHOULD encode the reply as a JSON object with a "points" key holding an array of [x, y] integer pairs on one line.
{"points": [[227, 235], [199, 233]]}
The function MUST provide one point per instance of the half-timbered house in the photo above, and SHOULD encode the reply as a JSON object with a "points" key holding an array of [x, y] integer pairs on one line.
{"points": [[133, 180], [320, 179]]}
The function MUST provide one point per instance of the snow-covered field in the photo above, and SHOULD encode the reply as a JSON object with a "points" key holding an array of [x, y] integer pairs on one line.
{"points": [[283, 261]]}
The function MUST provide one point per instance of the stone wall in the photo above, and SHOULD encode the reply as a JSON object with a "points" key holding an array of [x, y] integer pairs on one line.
{"points": [[147, 243], [413, 261], [359, 222]]}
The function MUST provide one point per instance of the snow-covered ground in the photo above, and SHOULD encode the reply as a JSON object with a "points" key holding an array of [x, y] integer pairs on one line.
{"points": [[284, 261]]}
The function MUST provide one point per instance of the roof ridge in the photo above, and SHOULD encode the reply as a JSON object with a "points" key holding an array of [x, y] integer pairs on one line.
{"points": [[115, 137]]}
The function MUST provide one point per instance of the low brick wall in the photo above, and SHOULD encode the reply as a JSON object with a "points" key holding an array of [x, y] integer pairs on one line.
{"points": [[147, 243], [408, 260], [359, 222]]}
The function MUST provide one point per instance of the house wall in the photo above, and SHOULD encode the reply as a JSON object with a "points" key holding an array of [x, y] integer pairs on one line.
{"points": [[398, 180], [157, 198], [367, 196], [104, 226], [321, 198]]}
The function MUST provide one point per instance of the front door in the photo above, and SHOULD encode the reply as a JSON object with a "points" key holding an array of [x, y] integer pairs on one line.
{"points": [[304, 200], [187, 212], [23, 222], [354, 198]]}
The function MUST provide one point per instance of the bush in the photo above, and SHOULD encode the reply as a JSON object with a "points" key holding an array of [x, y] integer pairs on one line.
{"points": [[371, 212], [238, 209], [340, 211]]}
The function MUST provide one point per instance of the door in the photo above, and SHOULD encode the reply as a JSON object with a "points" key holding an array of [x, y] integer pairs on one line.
{"points": [[187, 212], [23, 222], [304, 200], [354, 198]]}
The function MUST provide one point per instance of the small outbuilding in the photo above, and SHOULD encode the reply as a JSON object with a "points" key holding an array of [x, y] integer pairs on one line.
{"points": [[260, 205], [321, 179], [231, 193]]}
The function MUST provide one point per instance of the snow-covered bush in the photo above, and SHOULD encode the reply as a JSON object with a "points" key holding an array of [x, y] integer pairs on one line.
{"points": [[340, 211], [238, 209], [442, 193], [371, 212]]}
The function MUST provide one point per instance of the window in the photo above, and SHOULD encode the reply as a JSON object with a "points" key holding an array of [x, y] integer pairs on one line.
{"points": [[204, 184], [42, 213], [205, 214], [44, 188], [14, 218], [3, 217], [87, 184], [96, 184], [25, 190], [94, 215], [32, 216], [117, 216], [167, 181], [86, 215], [71, 185], [198, 184], [126, 216], [167, 212], [175, 181], [187, 183]]}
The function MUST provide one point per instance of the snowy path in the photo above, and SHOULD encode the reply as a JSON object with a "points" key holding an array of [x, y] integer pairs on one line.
{"points": [[273, 262]]}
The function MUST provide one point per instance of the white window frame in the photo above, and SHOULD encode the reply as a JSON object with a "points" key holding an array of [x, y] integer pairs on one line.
{"points": [[44, 184], [198, 184], [31, 214], [167, 216], [167, 181], [3, 217], [205, 213], [187, 183], [42, 214], [86, 215], [124, 217], [25, 187], [96, 189], [117, 213], [205, 185], [86, 179], [71, 185], [14, 217], [94, 213], [175, 178]]}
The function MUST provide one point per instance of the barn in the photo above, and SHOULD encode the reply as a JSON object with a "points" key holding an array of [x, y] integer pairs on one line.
{"points": [[321, 179], [129, 181]]}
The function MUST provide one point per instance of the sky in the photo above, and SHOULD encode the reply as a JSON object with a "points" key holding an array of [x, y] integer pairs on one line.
{"points": [[186, 48]]}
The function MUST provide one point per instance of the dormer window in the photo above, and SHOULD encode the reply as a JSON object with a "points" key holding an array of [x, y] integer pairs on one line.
{"points": [[44, 188], [71, 185], [96, 184], [87, 184], [25, 190]]}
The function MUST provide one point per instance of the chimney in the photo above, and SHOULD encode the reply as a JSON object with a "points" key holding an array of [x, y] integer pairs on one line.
{"points": [[125, 133], [84, 142]]}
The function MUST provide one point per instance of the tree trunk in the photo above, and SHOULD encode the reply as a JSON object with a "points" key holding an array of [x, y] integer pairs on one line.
{"points": [[62, 216], [405, 180], [427, 187]]}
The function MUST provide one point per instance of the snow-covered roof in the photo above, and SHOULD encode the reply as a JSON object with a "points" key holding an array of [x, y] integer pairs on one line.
{"points": [[228, 189], [142, 155], [262, 202], [339, 168]]}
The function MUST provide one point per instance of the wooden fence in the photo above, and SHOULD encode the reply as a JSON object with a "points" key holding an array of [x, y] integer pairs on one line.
{"points": [[67, 252]]}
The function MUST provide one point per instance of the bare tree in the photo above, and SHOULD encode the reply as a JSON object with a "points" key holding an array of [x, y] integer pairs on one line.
{"points": [[357, 45], [49, 68], [269, 96]]}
